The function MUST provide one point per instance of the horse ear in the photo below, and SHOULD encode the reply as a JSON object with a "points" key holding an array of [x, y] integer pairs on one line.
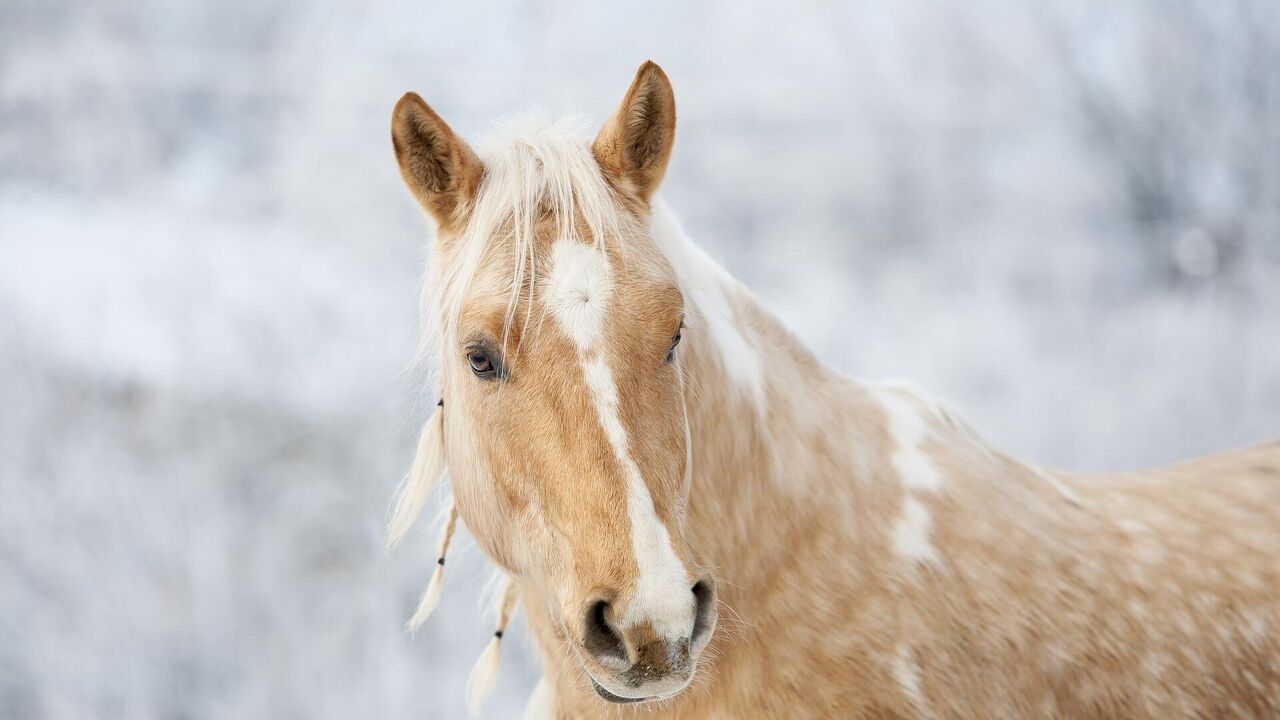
{"points": [[635, 145], [443, 173]]}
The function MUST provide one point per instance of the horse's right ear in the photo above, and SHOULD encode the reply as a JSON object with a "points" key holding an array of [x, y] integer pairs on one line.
{"points": [[635, 144], [443, 173]]}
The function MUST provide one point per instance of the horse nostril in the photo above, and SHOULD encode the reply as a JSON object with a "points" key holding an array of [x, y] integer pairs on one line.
{"points": [[600, 637], [704, 595]]}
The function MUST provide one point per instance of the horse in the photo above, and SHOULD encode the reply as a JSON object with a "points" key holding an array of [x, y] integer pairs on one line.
{"points": [[702, 520]]}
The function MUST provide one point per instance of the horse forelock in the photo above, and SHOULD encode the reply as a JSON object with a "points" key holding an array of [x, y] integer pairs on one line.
{"points": [[541, 183]]}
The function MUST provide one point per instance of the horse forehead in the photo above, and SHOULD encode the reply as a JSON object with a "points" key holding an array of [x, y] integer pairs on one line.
{"points": [[586, 284], [578, 291]]}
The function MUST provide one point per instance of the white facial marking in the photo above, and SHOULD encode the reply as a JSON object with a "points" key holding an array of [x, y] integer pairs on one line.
{"points": [[578, 294], [707, 288], [661, 572], [600, 380]]}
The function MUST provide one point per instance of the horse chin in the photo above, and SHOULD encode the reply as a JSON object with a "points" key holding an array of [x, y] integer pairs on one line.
{"points": [[613, 697], [617, 698]]}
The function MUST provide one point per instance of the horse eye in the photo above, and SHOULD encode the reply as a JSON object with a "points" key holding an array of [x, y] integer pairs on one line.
{"points": [[671, 352], [481, 365]]}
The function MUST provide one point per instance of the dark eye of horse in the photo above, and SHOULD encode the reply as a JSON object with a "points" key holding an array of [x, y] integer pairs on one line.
{"points": [[481, 365], [675, 340]]}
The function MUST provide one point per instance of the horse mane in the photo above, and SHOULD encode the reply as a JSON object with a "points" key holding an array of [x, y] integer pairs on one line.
{"points": [[535, 168]]}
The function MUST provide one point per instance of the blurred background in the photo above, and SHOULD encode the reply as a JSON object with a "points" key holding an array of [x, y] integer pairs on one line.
{"points": [[1061, 216]]}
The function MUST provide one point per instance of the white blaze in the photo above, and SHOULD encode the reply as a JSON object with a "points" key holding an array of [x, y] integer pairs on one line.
{"points": [[578, 294]]}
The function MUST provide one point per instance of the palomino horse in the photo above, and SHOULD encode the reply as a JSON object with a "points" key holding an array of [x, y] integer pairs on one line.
{"points": [[641, 447]]}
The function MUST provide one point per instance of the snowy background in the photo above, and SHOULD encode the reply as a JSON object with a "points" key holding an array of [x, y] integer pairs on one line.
{"points": [[1064, 217]]}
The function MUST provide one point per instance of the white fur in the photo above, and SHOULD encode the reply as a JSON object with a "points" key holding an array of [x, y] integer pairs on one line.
{"points": [[911, 532], [946, 416], [909, 430], [599, 379], [708, 292], [578, 298], [578, 291], [907, 674], [662, 594]]}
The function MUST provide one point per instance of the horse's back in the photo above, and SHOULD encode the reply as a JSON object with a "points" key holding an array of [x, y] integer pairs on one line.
{"points": [[1218, 516], [1149, 594], [1257, 463], [1232, 485], [1194, 550]]}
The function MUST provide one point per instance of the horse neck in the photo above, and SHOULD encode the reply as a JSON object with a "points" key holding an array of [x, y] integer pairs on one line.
{"points": [[777, 438]]}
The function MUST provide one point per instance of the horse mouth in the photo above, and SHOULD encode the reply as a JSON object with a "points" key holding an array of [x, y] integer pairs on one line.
{"points": [[615, 698]]}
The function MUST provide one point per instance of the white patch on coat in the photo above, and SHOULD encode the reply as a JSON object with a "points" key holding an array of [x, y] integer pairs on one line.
{"points": [[578, 294], [708, 291], [950, 419], [909, 429], [911, 532], [907, 673]]}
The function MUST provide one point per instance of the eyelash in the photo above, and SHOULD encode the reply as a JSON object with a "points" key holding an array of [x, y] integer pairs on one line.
{"points": [[675, 340]]}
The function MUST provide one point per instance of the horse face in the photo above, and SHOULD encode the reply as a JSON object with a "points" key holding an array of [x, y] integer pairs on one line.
{"points": [[569, 456], [564, 421]]}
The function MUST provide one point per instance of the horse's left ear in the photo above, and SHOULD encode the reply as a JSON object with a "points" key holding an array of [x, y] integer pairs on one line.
{"points": [[634, 146], [443, 173]]}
